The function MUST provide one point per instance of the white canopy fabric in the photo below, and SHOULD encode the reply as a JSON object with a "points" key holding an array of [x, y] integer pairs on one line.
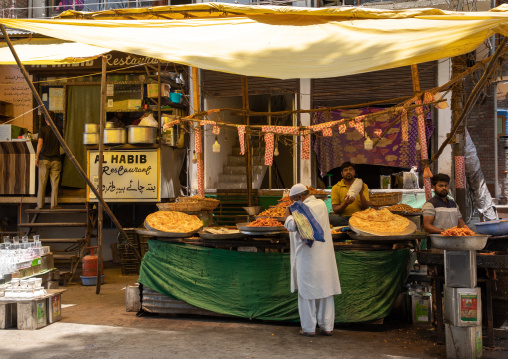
{"points": [[283, 42], [49, 51]]}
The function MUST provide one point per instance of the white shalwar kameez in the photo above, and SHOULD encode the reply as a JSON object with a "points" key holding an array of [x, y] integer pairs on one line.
{"points": [[314, 272]]}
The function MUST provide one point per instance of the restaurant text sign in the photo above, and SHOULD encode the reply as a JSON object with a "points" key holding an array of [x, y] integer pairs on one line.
{"points": [[126, 175]]}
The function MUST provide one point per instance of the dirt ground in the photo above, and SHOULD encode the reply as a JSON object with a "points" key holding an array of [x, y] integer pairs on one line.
{"points": [[97, 326]]}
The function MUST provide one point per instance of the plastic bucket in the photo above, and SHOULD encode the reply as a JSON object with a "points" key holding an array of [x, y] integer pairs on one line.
{"points": [[91, 280], [175, 97]]}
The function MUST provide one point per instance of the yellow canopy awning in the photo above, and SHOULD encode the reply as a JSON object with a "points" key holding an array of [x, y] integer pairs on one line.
{"points": [[280, 42], [49, 51]]}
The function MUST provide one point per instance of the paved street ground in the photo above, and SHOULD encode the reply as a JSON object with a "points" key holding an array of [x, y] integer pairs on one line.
{"points": [[97, 326]]}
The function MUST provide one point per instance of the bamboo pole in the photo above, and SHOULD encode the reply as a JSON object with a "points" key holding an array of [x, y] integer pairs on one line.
{"points": [[101, 163], [62, 141], [159, 118], [246, 121], [198, 138]]}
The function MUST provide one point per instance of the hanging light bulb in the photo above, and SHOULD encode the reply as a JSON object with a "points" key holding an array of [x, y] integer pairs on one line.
{"points": [[276, 152], [417, 147], [368, 144], [194, 158], [216, 146]]}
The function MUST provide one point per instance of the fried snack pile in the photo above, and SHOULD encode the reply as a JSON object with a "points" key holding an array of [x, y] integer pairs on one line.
{"points": [[403, 207], [455, 231], [265, 222], [315, 191], [382, 221], [283, 202], [274, 212], [177, 222]]}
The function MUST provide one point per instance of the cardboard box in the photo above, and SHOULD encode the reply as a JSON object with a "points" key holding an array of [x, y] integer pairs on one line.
{"points": [[152, 90]]}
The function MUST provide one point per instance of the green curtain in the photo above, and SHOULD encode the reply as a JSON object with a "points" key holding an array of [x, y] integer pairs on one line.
{"points": [[83, 106], [257, 285]]}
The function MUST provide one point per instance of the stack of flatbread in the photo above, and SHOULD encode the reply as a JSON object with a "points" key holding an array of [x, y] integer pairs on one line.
{"points": [[177, 222], [381, 222]]}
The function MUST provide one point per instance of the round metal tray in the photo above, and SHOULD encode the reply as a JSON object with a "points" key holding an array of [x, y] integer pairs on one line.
{"points": [[397, 238], [260, 230], [459, 243], [407, 213], [258, 234], [206, 235], [280, 219], [158, 233]]}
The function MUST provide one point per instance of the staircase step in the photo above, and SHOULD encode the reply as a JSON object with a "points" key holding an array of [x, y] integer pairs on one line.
{"points": [[241, 170], [240, 160], [63, 240], [232, 178], [57, 211], [65, 257], [37, 224], [255, 151]]}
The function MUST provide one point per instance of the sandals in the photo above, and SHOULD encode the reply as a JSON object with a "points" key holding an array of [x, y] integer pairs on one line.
{"points": [[306, 334], [325, 333]]}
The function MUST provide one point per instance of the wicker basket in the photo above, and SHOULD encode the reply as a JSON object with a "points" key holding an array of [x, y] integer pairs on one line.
{"points": [[206, 204], [180, 206], [385, 199]]}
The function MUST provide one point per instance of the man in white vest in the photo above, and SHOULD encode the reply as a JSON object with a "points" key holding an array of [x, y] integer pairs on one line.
{"points": [[313, 268]]}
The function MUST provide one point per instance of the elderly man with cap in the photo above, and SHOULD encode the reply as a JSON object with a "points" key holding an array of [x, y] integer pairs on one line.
{"points": [[313, 265]]}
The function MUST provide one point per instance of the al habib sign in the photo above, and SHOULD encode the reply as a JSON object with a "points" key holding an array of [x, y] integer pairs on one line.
{"points": [[126, 175]]}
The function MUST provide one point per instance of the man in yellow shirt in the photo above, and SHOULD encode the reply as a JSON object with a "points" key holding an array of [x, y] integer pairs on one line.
{"points": [[344, 207]]}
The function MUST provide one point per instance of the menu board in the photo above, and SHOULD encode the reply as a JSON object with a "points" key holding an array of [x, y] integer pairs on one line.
{"points": [[15, 90], [127, 175]]}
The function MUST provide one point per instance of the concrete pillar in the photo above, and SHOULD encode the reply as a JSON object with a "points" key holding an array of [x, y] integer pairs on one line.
{"points": [[305, 101], [444, 120]]}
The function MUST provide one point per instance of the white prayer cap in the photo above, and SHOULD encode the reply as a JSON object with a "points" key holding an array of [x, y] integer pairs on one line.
{"points": [[297, 188]]}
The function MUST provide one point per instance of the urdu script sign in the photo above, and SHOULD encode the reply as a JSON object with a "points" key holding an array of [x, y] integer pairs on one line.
{"points": [[127, 175]]}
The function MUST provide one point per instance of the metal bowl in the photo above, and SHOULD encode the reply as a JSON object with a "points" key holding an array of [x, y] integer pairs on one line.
{"points": [[92, 127], [254, 210], [494, 228], [90, 138], [115, 136], [142, 134], [458, 243]]}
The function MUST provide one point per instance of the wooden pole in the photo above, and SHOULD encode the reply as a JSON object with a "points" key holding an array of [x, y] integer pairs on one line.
{"points": [[159, 118], [198, 138], [248, 154], [62, 141], [101, 163], [422, 135]]}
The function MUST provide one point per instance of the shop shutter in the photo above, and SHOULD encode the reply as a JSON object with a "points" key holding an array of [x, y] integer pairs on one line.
{"points": [[371, 86], [220, 84]]}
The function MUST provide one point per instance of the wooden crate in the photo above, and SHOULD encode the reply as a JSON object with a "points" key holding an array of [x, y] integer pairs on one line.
{"points": [[8, 317], [54, 306], [32, 314]]}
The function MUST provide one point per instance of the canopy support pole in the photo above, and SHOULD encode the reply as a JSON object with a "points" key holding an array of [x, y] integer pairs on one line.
{"points": [[422, 134], [62, 141], [159, 119], [246, 121], [101, 163], [198, 138]]}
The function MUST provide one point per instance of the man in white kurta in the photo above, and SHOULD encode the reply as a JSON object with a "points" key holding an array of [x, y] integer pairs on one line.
{"points": [[313, 269]]}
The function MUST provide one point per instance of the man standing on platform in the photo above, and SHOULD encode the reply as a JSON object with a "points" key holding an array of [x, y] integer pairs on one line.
{"points": [[342, 205], [313, 264], [440, 212], [49, 162]]}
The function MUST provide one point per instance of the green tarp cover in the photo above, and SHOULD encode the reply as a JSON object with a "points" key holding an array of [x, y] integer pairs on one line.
{"points": [[257, 285]]}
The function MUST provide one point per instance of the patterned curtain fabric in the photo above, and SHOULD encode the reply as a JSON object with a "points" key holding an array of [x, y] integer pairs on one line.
{"points": [[391, 151]]}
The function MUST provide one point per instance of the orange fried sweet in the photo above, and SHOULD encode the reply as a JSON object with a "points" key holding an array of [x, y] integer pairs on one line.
{"points": [[455, 231]]}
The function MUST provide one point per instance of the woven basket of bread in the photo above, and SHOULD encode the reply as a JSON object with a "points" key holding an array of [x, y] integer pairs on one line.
{"points": [[207, 204], [180, 206], [385, 199]]}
